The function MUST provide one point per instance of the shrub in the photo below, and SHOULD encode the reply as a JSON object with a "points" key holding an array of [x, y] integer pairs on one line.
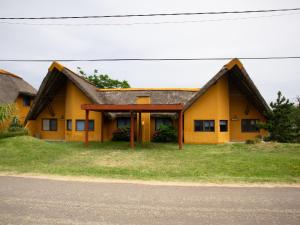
{"points": [[253, 141], [121, 134], [15, 129], [7, 134], [165, 133]]}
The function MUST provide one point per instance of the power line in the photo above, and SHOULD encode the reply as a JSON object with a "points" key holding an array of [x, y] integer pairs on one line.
{"points": [[147, 23], [150, 59], [150, 15]]}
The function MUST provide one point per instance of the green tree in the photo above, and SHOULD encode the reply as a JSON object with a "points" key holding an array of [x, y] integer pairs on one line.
{"points": [[103, 80], [297, 118], [281, 122]]}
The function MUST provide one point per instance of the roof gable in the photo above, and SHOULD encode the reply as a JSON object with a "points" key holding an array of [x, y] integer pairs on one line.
{"points": [[55, 78], [235, 70]]}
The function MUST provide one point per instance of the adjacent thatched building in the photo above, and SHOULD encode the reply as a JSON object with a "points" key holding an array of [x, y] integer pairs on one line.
{"points": [[13, 89]]}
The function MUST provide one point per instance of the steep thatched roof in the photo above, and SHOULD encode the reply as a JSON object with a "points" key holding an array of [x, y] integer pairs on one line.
{"points": [[57, 76], [238, 75], [11, 86]]}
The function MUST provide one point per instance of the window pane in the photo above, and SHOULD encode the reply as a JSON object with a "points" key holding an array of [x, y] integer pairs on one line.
{"points": [[162, 121], [223, 125], [79, 125], [249, 125], [26, 101], [46, 124], [123, 122], [69, 124], [91, 125], [53, 124], [198, 125]]}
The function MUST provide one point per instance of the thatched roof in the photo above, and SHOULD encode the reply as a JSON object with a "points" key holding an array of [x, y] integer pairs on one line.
{"points": [[238, 75], [58, 75], [11, 86]]}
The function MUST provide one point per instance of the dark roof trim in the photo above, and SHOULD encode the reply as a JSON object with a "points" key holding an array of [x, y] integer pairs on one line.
{"points": [[48, 83], [233, 64]]}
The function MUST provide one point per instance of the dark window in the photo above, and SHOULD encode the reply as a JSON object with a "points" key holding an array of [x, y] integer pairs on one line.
{"points": [[223, 125], [26, 100], [80, 125], [69, 124], [204, 125], [162, 121], [49, 124], [123, 122], [250, 125]]}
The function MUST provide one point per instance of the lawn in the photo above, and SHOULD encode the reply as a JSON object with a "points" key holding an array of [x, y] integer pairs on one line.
{"points": [[264, 162]]}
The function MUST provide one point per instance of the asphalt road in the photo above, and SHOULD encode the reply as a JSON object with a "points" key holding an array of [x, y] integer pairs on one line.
{"points": [[41, 201]]}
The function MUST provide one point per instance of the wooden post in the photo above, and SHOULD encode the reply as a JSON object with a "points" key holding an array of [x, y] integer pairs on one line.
{"points": [[131, 129], [140, 127], [86, 127], [102, 126], [180, 126]]}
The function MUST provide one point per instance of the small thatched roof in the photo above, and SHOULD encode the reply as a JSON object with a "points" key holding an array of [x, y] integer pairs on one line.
{"points": [[11, 86]]}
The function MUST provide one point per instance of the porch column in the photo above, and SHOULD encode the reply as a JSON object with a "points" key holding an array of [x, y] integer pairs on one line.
{"points": [[102, 126], [180, 126], [131, 129], [140, 127], [86, 127]]}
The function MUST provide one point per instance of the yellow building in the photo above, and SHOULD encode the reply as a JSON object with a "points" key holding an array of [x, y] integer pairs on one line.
{"points": [[227, 108], [13, 89]]}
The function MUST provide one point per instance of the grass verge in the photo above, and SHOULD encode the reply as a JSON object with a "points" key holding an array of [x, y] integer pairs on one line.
{"points": [[264, 162]]}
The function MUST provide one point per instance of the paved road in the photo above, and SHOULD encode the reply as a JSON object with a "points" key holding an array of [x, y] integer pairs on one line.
{"points": [[41, 201]]}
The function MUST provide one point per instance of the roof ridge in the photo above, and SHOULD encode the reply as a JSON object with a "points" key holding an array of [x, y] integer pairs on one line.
{"points": [[148, 89], [4, 72]]}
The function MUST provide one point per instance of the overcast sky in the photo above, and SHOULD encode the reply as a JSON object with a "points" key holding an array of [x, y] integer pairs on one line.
{"points": [[256, 37]]}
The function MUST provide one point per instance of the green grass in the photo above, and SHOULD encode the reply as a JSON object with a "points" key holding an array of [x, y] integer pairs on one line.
{"points": [[264, 162]]}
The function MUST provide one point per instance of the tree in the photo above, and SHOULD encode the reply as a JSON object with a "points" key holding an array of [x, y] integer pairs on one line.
{"points": [[103, 80], [281, 122]]}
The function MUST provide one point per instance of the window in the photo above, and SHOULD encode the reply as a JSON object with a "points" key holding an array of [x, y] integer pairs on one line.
{"points": [[223, 125], [26, 100], [250, 125], [49, 124], [69, 124], [162, 121], [204, 125], [123, 122], [80, 125]]}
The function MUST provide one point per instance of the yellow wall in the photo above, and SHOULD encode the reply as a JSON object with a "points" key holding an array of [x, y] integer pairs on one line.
{"points": [[66, 105], [223, 101], [74, 99], [241, 108], [22, 110], [146, 124], [212, 105]]}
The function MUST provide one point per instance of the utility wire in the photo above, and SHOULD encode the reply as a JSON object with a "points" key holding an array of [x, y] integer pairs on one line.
{"points": [[150, 15], [147, 23], [150, 59]]}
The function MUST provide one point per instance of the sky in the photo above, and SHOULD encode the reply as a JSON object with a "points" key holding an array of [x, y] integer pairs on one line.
{"points": [[231, 36]]}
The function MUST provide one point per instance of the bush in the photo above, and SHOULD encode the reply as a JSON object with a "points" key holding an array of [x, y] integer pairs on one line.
{"points": [[7, 134], [165, 133], [15, 129], [121, 134], [253, 141]]}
